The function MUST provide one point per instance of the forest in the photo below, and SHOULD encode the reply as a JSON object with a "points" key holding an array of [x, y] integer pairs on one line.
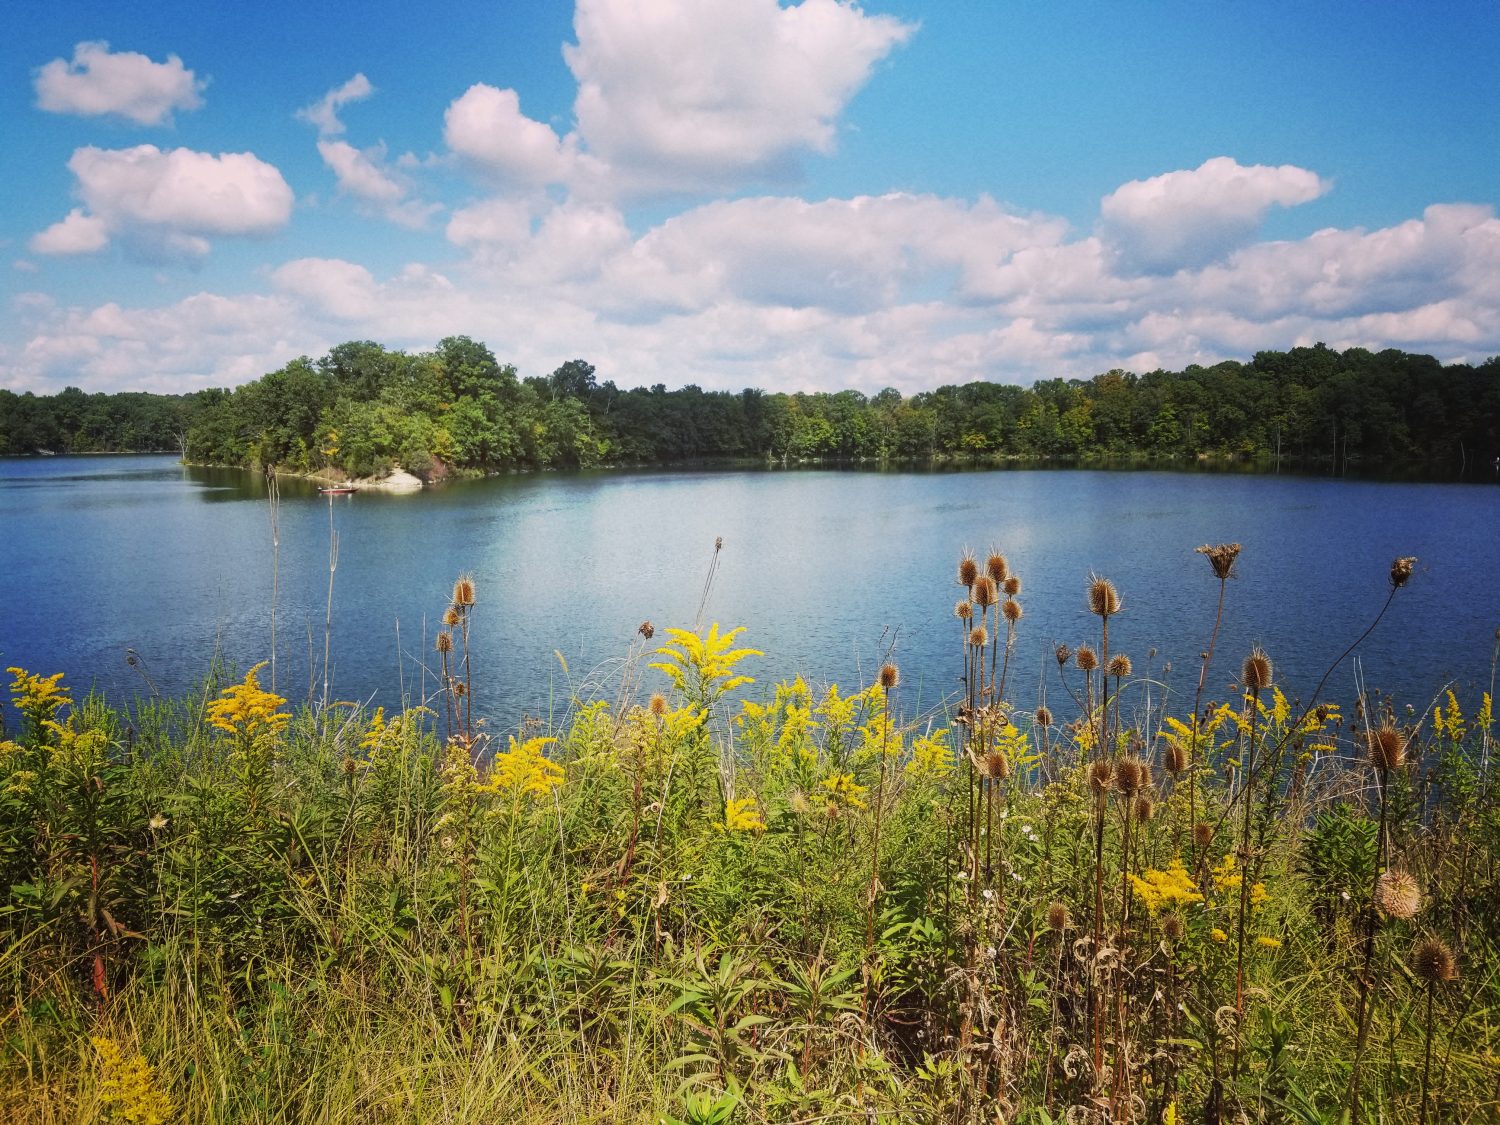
{"points": [[363, 409]]}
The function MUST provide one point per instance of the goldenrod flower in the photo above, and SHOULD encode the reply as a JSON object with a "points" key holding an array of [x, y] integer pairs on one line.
{"points": [[843, 790], [1218, 935], [128, 1088], [741, 815], [1170, 888], [247, 709], [1268, 942]]}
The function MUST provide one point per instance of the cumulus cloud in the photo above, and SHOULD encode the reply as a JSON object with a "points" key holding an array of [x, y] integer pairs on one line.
{"points": [[76, 234], [1191, 218], [98, 82], [167, 201], [898, 290], [682, 96], [323, 114], [485, 126]]}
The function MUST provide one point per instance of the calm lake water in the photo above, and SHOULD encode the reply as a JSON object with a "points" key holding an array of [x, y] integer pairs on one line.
{"points": [[829, 570]]}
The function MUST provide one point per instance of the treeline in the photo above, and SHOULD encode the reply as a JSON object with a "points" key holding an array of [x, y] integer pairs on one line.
{"points": [[363, 408]]}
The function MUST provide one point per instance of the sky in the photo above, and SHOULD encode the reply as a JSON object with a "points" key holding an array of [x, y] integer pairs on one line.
{"points": [[733, 193]]}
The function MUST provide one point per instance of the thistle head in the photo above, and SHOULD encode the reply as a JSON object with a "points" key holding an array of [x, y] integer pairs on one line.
{"points": [[1387, 748], [984, 591], [1011, 609], [1145, 808], [979, 636], [1042, 716], [1401, 571], [964, 610], [1176, 757], [1221, 557], [1256, 671], [1086, 658], [1119, 666], [968, 569], [1101, 777], [658, 704], [890, 676], [1203, 834], [444, 641], [1057, 917], [1172, 927], [1063, 653], [1132, 774], [1104, 599], [996, 567], [1398, 895], [1433, 961], [1012, 585], [463, 591]]}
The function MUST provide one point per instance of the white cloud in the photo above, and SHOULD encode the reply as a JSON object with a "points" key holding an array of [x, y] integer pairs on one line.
{"points": [[167, 201], [127, 84], [366, 176], [323, 114], [76, 234], [1187, 219], [682, 96], [485, 125], [491, 226]]}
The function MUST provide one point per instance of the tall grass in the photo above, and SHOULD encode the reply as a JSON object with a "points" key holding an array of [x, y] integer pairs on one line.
{"points": [[740, 902]]}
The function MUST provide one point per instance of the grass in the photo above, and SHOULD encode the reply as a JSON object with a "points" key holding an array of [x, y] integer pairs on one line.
{"points": [[738, 903]]}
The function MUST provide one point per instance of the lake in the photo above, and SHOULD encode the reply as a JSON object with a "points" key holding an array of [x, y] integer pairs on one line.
{"points": [[829, 571]]}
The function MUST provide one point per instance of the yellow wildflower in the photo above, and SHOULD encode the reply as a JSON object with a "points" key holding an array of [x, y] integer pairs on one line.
{"points": [[930, 756], [524, 769], [1218, 935], [1225, 877], [39, 698], [1268, 942], [741, 815], [247, 709], [843, 790], [702, 667], [127, 1086], [1170, 888]]}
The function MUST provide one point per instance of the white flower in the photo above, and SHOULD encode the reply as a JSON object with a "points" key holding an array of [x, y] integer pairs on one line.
{"points": [[157, 823]]}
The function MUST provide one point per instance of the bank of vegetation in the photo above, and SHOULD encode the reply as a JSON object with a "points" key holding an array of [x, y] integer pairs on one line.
{"points": [[703, 899], [363, 409]]}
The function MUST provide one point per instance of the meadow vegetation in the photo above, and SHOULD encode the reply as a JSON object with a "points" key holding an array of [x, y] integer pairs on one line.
{"points": [[704, 899]]}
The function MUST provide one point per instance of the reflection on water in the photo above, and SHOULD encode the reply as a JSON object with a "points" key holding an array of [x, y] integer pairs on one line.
{"points": [[828, 569]]}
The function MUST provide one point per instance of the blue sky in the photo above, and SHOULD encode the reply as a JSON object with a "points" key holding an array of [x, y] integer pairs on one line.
{"points": [[732, 192]]}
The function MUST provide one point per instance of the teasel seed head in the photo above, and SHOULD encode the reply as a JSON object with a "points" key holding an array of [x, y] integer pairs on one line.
{"points": [[1172, 927], [1256, 671], [1086, 658], [1131, 774], [984, 591], [1119, 666], [890, 676], [1176, 757], [646, 629], [996, 765], [1203, 834], [1398, 895], [463, 591], [1145, 808], [1104, 599], [964, 610], [658, 704], [1011, 609], [1433, 961], [979, 636], [451, 616], [1401, 571], [1063, 653], [1042, 716], [1221, 558], [444, 641], [996, 567], [460, 688], [968, 569], [1387, 748], [1057, 917], [1101, 776], [1012, 585]]}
